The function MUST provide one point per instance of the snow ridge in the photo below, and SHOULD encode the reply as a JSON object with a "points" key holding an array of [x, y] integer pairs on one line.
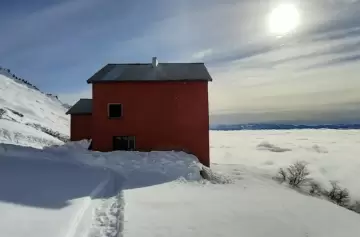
{"points": [[9, 74], [6, 72]]}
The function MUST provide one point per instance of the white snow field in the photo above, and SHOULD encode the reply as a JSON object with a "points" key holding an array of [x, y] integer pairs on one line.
{"points": [[23, 110], [252, 204], [47, 198], [330, 154], [70, 191]]}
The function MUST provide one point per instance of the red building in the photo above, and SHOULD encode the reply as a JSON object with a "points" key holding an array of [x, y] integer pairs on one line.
{"points": [[144, 107]]}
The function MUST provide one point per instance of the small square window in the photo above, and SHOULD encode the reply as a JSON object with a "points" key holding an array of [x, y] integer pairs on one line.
{"points": [[115, 110]]}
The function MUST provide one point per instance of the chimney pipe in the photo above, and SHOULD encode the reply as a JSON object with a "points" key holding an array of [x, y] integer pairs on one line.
{"points": [[155, 62]]}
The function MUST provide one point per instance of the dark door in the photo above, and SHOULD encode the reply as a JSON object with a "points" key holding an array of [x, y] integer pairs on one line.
{"points": [[125, 143]]}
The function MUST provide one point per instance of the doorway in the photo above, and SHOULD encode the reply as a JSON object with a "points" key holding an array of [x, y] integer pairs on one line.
{"points": [[124, 143]]}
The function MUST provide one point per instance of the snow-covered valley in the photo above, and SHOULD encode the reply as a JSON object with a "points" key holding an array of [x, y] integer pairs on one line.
{"points": [[330, 154], [70, 191], [249, 202]]}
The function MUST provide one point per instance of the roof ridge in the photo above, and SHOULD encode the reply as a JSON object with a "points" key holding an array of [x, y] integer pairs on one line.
{"points": [[151, 64], [129, 64], [176, 71], [183, 63]]}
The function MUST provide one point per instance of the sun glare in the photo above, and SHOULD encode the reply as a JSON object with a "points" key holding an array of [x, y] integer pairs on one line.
{"points": [[283, 19]]}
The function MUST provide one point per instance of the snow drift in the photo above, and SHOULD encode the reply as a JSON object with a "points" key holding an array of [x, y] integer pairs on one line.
{"points": [[70, 191]]}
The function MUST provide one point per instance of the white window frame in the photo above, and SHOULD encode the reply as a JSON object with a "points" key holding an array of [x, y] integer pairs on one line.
{"points": [[108, 110]]}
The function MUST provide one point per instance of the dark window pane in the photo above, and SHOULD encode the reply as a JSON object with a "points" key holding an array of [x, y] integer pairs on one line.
{"points": [[120, 143], [115, 110], [124, 143], [131, 143]]}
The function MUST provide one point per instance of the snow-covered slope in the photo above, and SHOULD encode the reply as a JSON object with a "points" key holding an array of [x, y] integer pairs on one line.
{"points": [[29, 117]]}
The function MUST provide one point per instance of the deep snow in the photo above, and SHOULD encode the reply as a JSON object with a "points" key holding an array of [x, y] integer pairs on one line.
{"points": [[70, 191], [46, 198], [252, 206]]}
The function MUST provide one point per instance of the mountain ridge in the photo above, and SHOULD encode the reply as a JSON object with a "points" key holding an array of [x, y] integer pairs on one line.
{"points": [[279, 126], [9, 74]]}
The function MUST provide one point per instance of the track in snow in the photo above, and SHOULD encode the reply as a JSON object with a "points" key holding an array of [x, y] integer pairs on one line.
{"points": [[103, 209], [53, 198], [109, 218]]}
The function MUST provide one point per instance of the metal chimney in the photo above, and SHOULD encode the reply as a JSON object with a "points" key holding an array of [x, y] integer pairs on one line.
{"points": [[155, 62]]}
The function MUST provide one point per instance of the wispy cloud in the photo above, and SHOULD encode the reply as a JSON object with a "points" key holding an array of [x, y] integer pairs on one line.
{"points": [[202, 54], [338, 61]]}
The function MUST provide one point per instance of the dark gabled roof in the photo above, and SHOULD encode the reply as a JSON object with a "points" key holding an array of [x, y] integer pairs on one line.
{"points": [[83, 106], [148, 72]]}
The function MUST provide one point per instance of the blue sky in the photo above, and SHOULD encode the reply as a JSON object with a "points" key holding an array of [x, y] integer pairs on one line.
{"points": [[310, 75]]}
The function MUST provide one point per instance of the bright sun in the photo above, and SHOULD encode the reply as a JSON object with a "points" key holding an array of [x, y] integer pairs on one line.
{"points": [[284, 19]]}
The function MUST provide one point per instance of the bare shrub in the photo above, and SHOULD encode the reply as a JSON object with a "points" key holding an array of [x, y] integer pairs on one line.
{"points": [[281, 176], [338, 195], [213, 177], [355, 207], [297, 174], [315, 189], [50, 132]]}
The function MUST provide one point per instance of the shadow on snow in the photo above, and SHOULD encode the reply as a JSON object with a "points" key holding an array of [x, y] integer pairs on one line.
{"points": [[54, 185]]}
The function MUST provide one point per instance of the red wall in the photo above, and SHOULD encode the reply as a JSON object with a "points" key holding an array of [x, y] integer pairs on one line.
{"points": [[80, 127], [161, 115]]}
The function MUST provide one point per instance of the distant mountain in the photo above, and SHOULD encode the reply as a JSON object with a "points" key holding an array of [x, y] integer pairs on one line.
{"points": [[264, 126]]}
